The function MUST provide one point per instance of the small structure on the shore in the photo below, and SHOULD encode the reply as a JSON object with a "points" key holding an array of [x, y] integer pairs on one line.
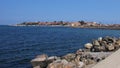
{"points": [[75, 24], [93, 53]]}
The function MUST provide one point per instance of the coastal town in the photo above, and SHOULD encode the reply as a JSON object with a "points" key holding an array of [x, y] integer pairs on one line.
{"points": [[80, 24]]}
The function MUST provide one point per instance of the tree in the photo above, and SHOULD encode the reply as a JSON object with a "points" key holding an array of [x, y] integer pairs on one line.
{"points": [[23, 23], [61, 22], [55, 21], [81, 22]]}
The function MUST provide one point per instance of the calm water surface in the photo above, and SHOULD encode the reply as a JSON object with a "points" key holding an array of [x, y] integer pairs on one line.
{"points": [[18, 45]]}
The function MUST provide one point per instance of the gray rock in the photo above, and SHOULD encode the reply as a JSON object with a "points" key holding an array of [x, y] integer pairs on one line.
{"points": [[61, 64], [114, 40], [102, 48], [40, 61], [80, 64], [52, 58], [99, 58], [95, 49], [55, 65], [90, 61], [69, 57], [110, 47], [84, 61], [42, 57], [103, 43], [95, 42], [118, 42], [64, 61], [70, 65], [108, 39], [100, 39], [79, 52], [88, 45], [116, 46]]}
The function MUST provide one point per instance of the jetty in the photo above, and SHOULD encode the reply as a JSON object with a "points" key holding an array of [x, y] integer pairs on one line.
{"points": [[101, 53]]}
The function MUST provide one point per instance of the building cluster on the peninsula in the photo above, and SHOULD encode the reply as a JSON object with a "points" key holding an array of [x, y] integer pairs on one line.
{"points": [[81, 24]]}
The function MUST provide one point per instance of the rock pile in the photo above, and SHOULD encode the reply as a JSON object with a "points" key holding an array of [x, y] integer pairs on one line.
{"points": [[94, 52], [104, 44]]}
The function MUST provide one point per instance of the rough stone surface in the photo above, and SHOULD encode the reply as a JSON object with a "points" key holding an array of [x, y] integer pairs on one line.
{"points": [[42, 57], [93, 53], [118, 42], [40, 61], [88, 45], [110, 47], [70, 65], [80, 64], [69, 57], [100, 39], [80, 52], [95, 42], [55, 65]]}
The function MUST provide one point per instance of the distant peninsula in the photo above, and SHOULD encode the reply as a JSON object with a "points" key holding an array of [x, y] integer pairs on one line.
{"points": [[78, 24]]}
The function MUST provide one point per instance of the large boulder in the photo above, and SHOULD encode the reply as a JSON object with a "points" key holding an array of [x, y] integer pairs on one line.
{"points": [[84, 60], [40, 61], [95, 42], [103, 43], [110, 47], [100, 39], [52, 58], [88, 45], [42, 57], [95, 49], [90, 61], [77, 58], [98, 49], [98, 59], [118, 42], [80, 64], [70, 65], [55, 65], [114, 40], [69, 57], [79, 52], [61, 64], [109, 39], [64, 61], [102, 48]]}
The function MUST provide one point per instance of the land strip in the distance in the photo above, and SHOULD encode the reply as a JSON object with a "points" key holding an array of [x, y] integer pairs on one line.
{"points": [[78, 24]]}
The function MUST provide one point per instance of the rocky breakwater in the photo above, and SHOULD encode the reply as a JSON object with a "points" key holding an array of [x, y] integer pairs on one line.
{"points": [[94, 52]]}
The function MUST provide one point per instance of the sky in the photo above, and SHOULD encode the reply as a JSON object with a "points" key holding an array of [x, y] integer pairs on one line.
{"points": [[17, 11]]}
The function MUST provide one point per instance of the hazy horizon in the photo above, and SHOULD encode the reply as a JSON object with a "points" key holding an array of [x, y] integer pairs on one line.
{"points": [[17, 11]]}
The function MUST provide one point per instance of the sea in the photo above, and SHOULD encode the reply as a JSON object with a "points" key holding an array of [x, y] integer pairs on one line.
{"points": [[20, 44]]}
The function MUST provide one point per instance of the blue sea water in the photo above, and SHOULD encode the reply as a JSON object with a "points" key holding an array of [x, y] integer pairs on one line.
{"points": [[19, 45]]}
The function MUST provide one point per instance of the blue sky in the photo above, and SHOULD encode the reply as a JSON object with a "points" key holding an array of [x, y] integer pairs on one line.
{"points": [[17, 11]]}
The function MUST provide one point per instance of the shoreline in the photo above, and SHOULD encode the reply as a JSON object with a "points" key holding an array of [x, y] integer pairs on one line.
{"points": [[88, 57], [110, 28], [87, 27]]}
